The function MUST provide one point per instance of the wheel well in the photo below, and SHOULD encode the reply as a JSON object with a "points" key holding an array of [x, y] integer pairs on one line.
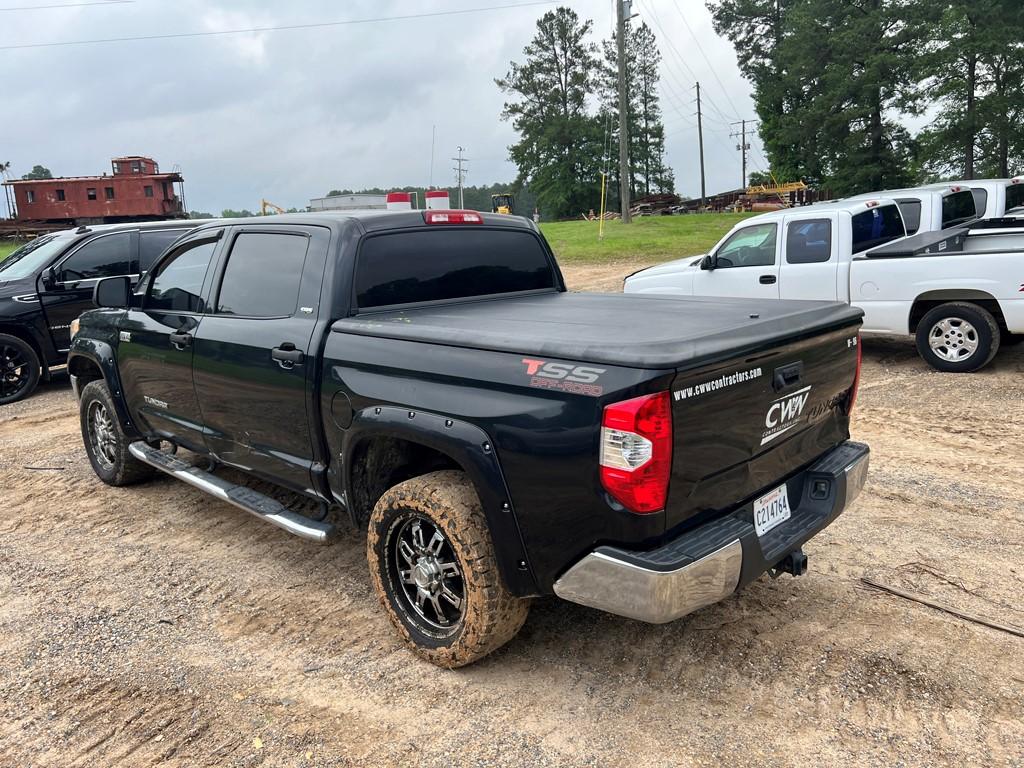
{"points": [[379, 463], [85, 369], [926, 302]]}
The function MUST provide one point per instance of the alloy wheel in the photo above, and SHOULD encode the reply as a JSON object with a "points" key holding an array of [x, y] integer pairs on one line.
{"points": [[953, 339], [426, 575]]}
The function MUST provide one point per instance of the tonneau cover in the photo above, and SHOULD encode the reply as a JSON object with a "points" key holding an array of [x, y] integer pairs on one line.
{"points": [[633, 330]]}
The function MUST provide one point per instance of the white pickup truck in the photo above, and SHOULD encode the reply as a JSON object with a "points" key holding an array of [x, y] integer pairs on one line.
{"points": [[994, 198], [931, 208], [960, 291]]}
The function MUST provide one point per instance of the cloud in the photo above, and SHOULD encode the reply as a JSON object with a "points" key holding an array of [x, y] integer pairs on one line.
{"points": [[289, 115]]}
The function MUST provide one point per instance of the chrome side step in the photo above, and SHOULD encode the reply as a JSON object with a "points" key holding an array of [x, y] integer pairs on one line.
{"points": [[253, 502]]}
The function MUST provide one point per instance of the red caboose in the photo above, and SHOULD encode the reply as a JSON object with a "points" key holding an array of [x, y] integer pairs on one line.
{"points": [[136, 191]]}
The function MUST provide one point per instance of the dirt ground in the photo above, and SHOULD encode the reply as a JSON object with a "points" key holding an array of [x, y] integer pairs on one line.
{"points": [[153, 625]]}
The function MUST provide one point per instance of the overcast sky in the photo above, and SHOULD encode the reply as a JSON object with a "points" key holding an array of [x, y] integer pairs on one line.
{"points": [[289, 115]]}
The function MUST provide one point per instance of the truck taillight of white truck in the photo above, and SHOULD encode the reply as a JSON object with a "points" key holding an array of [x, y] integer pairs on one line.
{"points": [[956, 283]]}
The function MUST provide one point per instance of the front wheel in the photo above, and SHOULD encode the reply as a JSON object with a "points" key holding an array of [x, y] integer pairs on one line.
{"points": [[958, 337], [19, 369], [106, 444], [433, 567]]}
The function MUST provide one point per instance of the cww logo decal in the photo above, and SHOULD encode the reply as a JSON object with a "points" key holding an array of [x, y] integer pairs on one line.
{"points": [[784, 414]]}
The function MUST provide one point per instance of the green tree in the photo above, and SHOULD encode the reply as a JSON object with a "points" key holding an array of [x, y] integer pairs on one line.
{"points": [[830, 78], [973, 67], [228, 213], [560, 144], [200, 215], [38, 172], [648, 172]]}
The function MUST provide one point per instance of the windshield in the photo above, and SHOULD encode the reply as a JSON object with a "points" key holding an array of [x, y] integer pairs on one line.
{"points": [[32, 257]]}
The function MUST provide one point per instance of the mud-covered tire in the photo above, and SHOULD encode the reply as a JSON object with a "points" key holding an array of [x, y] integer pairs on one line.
{"points": [[105, 442], [19, 369], [958, 337], [490, 615]]}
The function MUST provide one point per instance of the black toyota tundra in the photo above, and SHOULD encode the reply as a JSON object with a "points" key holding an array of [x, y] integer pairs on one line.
{"points": [[427, 375]]}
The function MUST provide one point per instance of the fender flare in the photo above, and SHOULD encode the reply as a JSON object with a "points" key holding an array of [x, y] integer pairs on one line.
{"points": [[473, 450], [102, 356]]}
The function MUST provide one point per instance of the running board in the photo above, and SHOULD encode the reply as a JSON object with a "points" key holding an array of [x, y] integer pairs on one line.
{"points": [[253, 502]]}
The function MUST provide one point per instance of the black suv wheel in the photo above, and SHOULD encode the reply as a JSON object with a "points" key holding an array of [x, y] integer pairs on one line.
{"points": [[19, 369]]}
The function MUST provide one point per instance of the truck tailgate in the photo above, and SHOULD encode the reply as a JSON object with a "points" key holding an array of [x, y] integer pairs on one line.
{"points": [[743, 425]]}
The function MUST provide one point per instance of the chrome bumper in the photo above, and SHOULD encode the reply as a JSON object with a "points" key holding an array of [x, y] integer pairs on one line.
{"points": [[617, 581]]}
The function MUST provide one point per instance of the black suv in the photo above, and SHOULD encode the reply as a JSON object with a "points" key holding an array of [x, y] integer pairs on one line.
{"points": [[48, 282]]}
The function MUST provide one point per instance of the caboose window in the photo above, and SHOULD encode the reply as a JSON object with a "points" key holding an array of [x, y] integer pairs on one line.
{"points": [[148, 191], [60, 195], [90, 193], [31, 195], [109, 191]]}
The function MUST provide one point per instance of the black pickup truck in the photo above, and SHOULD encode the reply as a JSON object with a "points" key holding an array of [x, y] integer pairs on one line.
{"points": [[426, 374]]}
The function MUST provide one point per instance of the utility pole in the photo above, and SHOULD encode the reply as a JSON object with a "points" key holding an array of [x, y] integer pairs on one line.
{"points": [[700, 142], [622, 14], [743, 146], [460, 173]]}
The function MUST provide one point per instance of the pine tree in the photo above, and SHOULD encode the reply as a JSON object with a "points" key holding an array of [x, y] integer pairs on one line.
{"points": [[559, 150]]}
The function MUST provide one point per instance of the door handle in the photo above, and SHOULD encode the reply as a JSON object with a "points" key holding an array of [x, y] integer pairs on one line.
{"points": [[181, 340], [287, 356], [766, 279]]}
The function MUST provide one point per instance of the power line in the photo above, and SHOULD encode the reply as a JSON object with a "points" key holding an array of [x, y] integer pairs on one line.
{"points": [[704, 56], [65, 5], [281, 28]]}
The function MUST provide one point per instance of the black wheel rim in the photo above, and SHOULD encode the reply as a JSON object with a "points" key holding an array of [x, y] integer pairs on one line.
{"points": [[102, 437], [15, 370], [425, 575]]}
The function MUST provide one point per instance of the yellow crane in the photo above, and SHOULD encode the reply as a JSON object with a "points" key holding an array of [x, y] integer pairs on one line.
{"points": [[265, 205]]}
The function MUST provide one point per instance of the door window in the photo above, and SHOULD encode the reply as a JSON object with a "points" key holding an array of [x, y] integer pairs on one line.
{"points": [[177, 285], [809, 242], [262, 275], [749, 247], [152, 244], [104, 256]]}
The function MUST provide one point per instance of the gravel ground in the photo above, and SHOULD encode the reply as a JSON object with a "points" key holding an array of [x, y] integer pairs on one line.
{"points": [[153, 625]]}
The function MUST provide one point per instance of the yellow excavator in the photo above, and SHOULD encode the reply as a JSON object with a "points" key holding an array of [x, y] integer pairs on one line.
{"points": [[503, 203], [266, 205]]}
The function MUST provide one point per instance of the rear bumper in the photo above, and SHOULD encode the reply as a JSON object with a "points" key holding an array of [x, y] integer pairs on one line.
{"points": [[708, 563]]}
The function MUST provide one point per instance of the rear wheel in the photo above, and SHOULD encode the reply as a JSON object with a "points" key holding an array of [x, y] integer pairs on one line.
{"points": [[435, 573], [958, 337], [105, 442], [19, 369]]}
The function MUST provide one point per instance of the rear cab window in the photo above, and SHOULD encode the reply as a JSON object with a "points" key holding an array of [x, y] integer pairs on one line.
{"points": [[958, 208], [876, 226], [911, 210], [444, 264], [1014, 196]]}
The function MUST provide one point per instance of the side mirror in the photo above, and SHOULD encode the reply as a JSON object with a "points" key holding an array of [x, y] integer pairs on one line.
{"points": [[49, 278], [709, 262], [112, 292]]}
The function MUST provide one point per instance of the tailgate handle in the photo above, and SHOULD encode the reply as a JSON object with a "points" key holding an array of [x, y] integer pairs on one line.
{"points": [[787, 375]]}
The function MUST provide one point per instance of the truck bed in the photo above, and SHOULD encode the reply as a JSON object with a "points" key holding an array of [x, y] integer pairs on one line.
{"points": [[634, 330]]}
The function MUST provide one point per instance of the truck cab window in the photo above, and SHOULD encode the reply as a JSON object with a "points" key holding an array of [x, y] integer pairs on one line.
{"points": [[876, 226], [958, 208], [178, 284], [749, 247], [104, 256], [263, 274], [980, 199], [451, 263], [809, 242], [911, 210]]}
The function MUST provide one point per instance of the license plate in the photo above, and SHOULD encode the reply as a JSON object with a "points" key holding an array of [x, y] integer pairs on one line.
{"points": [[770, 510]]}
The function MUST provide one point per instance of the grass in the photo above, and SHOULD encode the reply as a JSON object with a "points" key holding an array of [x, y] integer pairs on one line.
{"points": [[650, 238], [6, 249]]}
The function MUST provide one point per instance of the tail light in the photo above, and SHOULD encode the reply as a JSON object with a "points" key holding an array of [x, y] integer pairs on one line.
{"points": [[452, 217], [856, 380], [636, 452]]}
